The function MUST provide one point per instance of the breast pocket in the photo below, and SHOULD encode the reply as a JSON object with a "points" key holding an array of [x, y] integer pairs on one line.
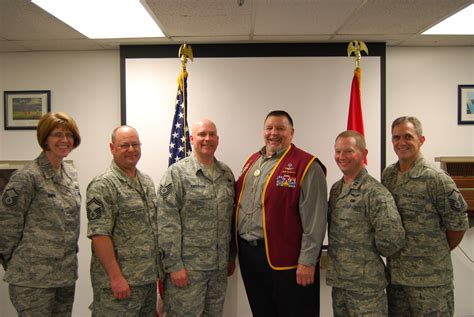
{"points": [[199, 217], [133, 224], [348, 264]]}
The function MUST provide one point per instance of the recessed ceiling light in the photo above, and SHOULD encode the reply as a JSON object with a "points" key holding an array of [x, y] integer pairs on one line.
{"points": [[461, 23], [104, 19]]}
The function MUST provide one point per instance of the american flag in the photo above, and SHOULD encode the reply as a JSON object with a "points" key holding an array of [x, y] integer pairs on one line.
{"points": [[180, 147]]}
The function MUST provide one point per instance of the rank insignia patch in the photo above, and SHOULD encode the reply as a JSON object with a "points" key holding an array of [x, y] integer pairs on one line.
{"points": [[456, 202], [10, 197], [94, 209], [165, 191]]}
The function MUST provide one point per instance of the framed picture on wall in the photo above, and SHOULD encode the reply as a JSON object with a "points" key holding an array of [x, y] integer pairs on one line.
{"points": [[23, 109], [465, 104]]}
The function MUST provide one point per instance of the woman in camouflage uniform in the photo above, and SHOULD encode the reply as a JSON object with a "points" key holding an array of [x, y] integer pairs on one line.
{"points": [[39, 224]]}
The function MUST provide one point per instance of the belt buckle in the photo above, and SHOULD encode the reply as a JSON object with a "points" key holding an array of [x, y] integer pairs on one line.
{"points": [[253, 243]]}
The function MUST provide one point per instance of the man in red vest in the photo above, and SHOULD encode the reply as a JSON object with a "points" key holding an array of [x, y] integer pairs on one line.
{"points": [[280, 217]]}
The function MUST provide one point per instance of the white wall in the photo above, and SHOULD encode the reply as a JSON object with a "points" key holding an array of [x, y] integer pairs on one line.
{"points": [[86, 85]]}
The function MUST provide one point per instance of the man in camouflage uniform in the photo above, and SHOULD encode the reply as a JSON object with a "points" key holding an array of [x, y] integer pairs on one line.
{"points": [[363, 226], [194, 220], [432, 211], [121, 209]]}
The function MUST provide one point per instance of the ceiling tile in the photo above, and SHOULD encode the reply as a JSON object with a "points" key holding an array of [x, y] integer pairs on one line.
{"points": [[23, 20], [314, 17], [399, 17], [60, 45], [439, 40], [9, 46], [202, 18], [24, 26]]}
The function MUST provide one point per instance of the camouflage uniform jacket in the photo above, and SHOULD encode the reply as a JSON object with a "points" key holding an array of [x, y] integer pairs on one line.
{"points": [[125, 210], [194, 216], [39, 225], [429, 204], [363, 226]]}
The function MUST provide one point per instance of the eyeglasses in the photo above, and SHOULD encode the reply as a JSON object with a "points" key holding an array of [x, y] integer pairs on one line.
{"points": [[61, 135], [126, 146]]}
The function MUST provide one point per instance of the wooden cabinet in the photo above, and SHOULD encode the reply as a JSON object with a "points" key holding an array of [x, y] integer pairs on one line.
{"points": [[461, 170]]}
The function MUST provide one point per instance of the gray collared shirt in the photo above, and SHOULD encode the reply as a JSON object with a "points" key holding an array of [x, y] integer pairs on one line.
{"points": [[312, 206]]}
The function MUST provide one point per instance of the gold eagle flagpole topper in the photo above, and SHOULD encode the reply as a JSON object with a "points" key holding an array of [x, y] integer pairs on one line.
{"points": [[185, 52], [356, 47]]}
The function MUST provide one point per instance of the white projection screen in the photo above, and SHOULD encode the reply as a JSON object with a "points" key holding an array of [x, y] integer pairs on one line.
{"points": [[236, 86], [238, 92]]}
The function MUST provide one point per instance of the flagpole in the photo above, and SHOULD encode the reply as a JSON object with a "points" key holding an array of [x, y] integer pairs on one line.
{"points": [[185, 52], [355, 120], [180, 146]]}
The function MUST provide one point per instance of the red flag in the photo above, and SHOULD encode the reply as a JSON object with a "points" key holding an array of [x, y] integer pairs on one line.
{"points": [[355, 120]]}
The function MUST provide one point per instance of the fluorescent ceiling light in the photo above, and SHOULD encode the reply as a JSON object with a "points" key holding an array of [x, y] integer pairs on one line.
{"points": [[461, 23], [104, 19]]}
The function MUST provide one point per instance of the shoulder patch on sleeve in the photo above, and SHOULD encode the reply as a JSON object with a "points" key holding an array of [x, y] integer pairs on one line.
{"points": [[165, 190], [456, 201], [94, 209], [10, 197]]}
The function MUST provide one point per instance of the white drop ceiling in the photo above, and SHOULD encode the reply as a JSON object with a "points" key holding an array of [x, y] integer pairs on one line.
{"points": [[25, 27]]}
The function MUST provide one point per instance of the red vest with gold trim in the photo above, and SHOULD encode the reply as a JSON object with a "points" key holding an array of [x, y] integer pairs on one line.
{"points": [[281, 217]]}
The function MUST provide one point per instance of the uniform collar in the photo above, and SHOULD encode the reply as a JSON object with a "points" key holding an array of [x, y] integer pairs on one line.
{"points": [[417, 168], [196, 166], [122, 175], [48, 169], [358, 180], [356, 184], [277, 154]]}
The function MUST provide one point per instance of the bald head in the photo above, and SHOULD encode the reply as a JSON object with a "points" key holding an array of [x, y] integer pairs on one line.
{"points": [[204, 122], [126, 148], [204, 140], [122, 129]]}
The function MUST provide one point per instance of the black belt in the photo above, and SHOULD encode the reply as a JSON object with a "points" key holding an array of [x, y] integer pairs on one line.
{"points": [[253, 243]]}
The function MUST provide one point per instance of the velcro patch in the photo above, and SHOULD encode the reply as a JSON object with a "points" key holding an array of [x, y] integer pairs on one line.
{"points": [[94, 209], [165, 191], [10, 197], [456, 202]]}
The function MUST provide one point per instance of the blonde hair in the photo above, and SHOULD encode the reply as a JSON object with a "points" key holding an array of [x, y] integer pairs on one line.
{"points": [[359, 138]]}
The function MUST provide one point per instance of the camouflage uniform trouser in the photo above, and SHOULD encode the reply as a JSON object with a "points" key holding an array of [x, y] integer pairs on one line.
{"points": [[142, 302], [411, 301], [346, 303], [31, 301], [203, 296]]}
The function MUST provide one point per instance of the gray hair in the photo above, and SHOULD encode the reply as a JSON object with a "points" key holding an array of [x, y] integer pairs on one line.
{"points": [[413, 120]]}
